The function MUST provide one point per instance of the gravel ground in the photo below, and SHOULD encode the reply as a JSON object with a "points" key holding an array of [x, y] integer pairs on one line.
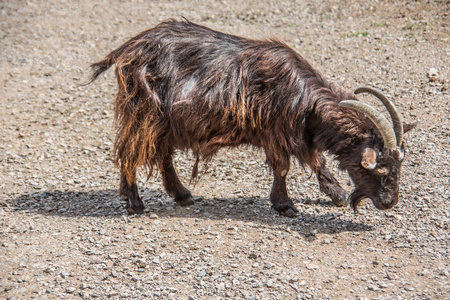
{"points": [[64, 233]]}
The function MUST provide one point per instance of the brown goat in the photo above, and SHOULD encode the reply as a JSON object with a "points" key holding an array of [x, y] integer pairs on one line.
{"points": [[185, 86]]}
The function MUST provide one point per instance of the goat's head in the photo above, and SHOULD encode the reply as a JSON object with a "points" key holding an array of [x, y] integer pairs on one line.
{"points": [[376, 174]]}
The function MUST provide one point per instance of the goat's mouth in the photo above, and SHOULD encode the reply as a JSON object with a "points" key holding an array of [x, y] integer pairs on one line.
{"points": [[380, 205], [384, 205], [357, 196]]}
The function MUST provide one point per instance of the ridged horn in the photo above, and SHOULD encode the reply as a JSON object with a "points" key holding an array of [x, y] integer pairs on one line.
{"points": [[377, 118], [395, 116]]}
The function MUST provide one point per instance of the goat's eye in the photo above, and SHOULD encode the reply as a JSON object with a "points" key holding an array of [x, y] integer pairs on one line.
{"points": [[382, 171]]}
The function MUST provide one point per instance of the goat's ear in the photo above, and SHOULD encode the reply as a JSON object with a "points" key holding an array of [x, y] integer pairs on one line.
{"points": [[369, 159], [409, 127]]}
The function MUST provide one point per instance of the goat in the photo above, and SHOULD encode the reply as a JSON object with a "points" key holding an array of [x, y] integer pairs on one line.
{"points": [[185, 86]]}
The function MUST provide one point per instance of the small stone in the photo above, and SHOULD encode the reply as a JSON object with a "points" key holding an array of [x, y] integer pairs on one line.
{"points": [[155, 261], [372, 287], [201, 274], [153, 216], [114, 274], [312, 267], [391, 276], [70, 290], [432, 74], [141, 264], [444, 272], [424, 272], [252, 256], [64, 274], [326, 241]]}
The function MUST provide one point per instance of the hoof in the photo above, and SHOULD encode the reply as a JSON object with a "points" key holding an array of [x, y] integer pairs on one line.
{"points": [[134, 210], [186, 202], [340, 201], [290, 213], [286, 209]]}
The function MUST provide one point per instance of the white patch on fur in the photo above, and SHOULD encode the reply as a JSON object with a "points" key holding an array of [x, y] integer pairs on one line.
{"points": [[369, 159], [188, 87], [371, 166]]}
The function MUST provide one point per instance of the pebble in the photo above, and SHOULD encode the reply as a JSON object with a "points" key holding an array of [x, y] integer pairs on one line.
{"points": [[312, 267], [372, 287], [382, 285], [432, 74], [202, 274]]}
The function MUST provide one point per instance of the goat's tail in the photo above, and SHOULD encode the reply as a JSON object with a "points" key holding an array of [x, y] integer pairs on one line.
{"points": [[114, 56], [102, 66], [110, 59]]}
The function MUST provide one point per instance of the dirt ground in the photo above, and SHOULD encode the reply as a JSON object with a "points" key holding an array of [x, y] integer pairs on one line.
{"points": [[64, 233]]}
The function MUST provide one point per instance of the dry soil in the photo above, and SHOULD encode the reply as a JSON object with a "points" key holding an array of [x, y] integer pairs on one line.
{"points": [[64, 233]]}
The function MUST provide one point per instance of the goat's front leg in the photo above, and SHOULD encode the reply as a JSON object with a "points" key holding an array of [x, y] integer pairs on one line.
{"points": [[172, 183], [328, 184], [278, 195], [129, 194]]}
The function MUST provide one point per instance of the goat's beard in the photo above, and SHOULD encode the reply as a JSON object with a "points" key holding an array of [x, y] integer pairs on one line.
{"points": [[355, 198]]}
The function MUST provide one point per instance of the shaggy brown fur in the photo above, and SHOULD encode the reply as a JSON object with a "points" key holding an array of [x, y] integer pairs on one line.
{"points": [[184, 86]]}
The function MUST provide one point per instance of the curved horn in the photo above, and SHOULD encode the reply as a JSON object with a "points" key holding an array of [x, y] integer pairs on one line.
{"points": [[396, 119], [377, 118]]}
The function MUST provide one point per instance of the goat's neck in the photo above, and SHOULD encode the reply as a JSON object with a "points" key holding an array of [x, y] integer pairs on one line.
{"points": [[339, 131]]}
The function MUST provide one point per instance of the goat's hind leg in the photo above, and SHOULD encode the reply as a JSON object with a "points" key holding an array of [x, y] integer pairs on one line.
{"points": [[129, 194], [172, 183], [328, 184]]}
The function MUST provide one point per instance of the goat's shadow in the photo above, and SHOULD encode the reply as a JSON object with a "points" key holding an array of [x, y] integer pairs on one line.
{"points": [[106, 204]]}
